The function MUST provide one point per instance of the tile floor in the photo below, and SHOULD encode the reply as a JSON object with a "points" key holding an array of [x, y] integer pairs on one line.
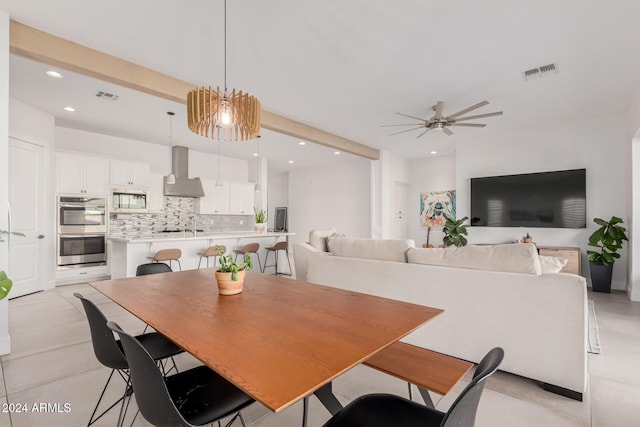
{"points": [[52, 362]]}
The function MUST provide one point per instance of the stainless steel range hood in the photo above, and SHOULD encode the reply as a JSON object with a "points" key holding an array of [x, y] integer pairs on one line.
{"points": [[184, 187]]}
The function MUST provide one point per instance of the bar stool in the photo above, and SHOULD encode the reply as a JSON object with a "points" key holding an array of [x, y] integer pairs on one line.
{"points": [[249, 248], [168, 255], [211, 251], [280, 246]]}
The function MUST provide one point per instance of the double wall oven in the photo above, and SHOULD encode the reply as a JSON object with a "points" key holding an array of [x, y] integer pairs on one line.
{"points": [[82, 231]]}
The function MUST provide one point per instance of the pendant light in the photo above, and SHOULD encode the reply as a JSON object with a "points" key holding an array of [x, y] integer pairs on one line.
{"points": [[218, 182], [221, 114], [171, 179], [257, 188]]}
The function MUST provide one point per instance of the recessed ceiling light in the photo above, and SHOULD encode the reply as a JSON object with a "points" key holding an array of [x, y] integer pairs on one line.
{"points": [[255, 154], [71, 109], [434, 152], [336, 152], [54, 74], [291, 161], [302, 143]]}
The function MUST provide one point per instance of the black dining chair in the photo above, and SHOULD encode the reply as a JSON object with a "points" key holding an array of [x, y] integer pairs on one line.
{"points": [[387, 410], [152, 268], [109, 352], [194, 397]]}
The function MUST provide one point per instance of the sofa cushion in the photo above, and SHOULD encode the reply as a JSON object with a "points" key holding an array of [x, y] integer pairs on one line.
{"points": [[383, 250], [318, 238], [552, 264], [515, 258]]}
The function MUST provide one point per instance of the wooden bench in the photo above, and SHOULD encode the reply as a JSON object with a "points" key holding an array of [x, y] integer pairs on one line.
{"points": [[426, 369]]}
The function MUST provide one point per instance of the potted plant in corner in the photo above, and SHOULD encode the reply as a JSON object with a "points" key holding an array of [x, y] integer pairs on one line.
{"points": [[608, 239], [455, 231], [261, 220], [230, 276]]}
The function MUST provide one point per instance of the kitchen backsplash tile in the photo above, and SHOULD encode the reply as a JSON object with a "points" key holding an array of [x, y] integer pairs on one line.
{"points": [[178, 214]]}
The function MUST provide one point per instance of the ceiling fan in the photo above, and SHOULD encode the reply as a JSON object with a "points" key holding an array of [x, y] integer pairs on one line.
{"points": [[438, 122]]}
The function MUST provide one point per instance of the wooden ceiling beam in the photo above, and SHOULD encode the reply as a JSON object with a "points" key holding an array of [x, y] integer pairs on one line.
{"points": [[49, 49]]}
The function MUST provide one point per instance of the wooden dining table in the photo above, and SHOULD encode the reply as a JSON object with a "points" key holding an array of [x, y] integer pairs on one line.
{"points": [[280, 339]]}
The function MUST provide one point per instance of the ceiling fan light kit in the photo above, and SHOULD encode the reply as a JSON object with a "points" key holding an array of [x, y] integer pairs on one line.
{"points": [[441, 123]]}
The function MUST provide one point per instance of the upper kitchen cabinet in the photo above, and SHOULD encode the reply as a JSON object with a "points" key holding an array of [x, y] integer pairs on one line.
{"points": [[215, 200], [129, 174], [241, 198], [81, 174]]}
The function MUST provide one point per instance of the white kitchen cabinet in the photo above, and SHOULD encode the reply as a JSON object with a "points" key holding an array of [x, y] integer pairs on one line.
{"points": [[81, 174], [241, 198], [215, 200], [129, 174], [156, 193]]}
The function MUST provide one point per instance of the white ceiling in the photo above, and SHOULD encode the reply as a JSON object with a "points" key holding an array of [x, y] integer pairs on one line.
{"points": [[344, 66]]}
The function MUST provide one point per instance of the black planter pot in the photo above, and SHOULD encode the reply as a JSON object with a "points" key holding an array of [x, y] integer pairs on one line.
{"points": [[600, 276]]}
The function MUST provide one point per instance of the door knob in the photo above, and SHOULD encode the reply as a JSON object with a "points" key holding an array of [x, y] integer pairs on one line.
{"points": [[41, 236]]}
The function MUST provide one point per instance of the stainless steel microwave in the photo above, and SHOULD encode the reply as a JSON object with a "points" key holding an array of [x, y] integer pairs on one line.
{"points": [[129, 201]]}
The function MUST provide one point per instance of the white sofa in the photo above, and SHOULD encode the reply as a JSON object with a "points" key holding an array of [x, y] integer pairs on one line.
{"points": [[540, 319]]}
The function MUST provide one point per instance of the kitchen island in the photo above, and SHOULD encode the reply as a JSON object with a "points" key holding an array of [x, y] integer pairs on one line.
{"points": [[126, 253]]}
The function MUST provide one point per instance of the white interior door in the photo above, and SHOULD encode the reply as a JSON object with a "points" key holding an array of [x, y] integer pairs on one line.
{"points": [[26, 200], [401, 192]]}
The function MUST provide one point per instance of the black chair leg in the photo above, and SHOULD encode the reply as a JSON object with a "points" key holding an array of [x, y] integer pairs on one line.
{"points": [[266, 261], [120, 400]]}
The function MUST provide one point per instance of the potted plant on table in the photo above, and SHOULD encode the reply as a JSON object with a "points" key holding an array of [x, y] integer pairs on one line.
{"points": [[527, 238], [608, 239], [261, 220], [230, 276], [455, 231]]}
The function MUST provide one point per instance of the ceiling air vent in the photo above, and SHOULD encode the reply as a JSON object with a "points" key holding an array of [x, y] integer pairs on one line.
{"points": [[542, 71], [107, 96]]}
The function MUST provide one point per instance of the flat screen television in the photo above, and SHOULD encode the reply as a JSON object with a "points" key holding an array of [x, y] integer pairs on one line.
{"points": [[547, 199]]}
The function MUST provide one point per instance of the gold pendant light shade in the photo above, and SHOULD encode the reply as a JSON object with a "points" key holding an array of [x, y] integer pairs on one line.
{"points": [[219, 115]]}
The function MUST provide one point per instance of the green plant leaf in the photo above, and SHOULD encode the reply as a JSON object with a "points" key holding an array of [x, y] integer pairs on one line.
{"points": [[5, 285]]}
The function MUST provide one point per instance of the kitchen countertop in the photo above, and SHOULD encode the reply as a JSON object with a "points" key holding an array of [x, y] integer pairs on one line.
{"points": [[173, 237]]}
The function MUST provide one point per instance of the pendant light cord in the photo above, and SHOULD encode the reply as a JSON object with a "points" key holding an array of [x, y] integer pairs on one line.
{"points": [[218, 160], [225, 47]]}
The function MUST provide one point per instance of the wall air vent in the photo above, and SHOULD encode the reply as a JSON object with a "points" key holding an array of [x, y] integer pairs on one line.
{"points": [[107, 96], [542, 71]]}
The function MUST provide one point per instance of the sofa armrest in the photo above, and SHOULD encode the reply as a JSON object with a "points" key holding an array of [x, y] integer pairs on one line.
{"points": [[301, 253]]}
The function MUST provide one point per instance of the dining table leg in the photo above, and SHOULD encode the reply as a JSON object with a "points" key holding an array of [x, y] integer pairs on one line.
{"points": [[326, 397]]}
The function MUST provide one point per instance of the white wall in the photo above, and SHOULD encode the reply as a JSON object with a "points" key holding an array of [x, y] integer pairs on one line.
{"points": [[278, 195], [633, 134], [332, 195], [203, 165], [5, 339], [428, 175], [597, 144]]}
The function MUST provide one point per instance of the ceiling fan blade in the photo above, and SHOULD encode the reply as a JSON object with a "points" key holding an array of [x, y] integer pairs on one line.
{"points": [[422, 133], [407, 130], [412, 117], [479, 116], [470, 125], [438, 109], [447, 131], [466, 110], [405, 124]]}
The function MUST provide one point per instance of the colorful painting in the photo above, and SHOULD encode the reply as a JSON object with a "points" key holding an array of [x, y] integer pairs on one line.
{"points": [[434, 207]]}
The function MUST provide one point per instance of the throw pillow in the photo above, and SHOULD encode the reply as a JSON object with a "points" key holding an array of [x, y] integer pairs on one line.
{"points": [[551, 264], [318, 238], [382, 250], [515, 258]]}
